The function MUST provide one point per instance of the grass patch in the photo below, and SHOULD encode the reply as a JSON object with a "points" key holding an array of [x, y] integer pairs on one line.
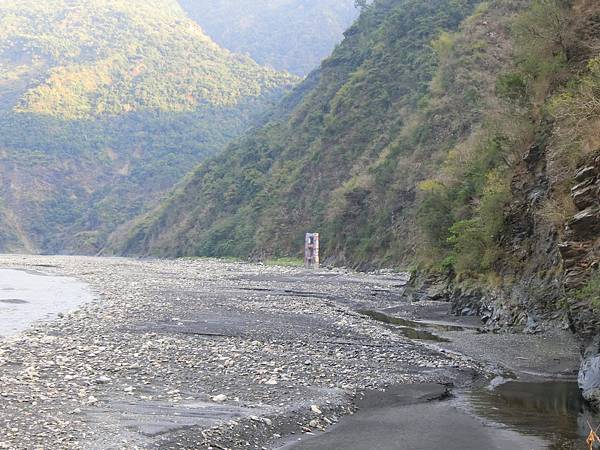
{"points": [[226, 259], [285, 262], [591, 292]]}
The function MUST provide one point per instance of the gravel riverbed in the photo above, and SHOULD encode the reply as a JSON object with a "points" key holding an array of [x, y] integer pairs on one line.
{"points": [[203, 354]]}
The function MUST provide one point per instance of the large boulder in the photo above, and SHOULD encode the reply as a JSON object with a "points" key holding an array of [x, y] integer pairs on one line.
{"points": [[589, 374]]}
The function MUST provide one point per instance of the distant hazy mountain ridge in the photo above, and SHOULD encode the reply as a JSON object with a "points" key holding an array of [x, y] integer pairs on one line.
{"points": [[293, 35]]}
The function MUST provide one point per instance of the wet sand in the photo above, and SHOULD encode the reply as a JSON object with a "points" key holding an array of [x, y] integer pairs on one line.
{"points": [[414, 417]]}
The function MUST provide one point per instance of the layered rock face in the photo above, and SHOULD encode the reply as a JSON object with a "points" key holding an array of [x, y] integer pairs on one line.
{"points": [[581, 253], [580, 250]]}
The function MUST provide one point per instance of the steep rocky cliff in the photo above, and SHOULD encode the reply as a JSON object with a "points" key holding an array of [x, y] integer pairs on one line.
{"points": [[581, 256], [580, 249]]}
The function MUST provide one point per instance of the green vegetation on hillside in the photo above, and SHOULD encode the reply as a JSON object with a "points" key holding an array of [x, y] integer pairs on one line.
{"points": [[544, 102], [336, 159], [292, 35], [105, 104], [114, 57], [442, 134]]}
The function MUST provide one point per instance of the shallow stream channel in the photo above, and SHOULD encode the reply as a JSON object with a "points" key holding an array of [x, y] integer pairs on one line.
{"points": [[524, 407], [544, 405]]}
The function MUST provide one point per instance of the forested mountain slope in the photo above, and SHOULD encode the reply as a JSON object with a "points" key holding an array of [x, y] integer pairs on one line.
{"points": [[104, 104], [459, 138], [339, 157], [292, 35]]}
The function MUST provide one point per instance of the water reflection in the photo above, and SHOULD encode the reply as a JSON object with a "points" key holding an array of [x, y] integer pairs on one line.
{"points": [[410, 328], [554, 410]]}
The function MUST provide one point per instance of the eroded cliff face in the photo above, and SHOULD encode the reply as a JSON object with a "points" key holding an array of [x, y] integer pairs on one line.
{"points": [[580, 249], [548, 265], [548, 246], [532, 279], [529, 282], [580, 252]]}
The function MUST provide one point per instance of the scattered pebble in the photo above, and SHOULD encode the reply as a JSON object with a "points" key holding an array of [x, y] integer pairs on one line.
{"points": [[164, 338]]}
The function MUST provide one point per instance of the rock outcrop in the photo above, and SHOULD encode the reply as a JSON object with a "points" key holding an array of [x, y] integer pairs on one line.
{"points": [[581, 249], [589, 373], [580, 253]]}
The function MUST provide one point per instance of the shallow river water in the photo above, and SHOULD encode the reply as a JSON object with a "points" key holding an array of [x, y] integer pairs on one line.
{"points": [[30, 296], [546, 408], [553, 410]]}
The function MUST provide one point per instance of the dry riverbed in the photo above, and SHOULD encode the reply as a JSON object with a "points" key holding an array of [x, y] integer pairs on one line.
{"points": [[202, 353], [210, 354]]}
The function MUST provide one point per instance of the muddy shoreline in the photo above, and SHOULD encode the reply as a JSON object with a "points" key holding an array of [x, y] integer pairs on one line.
{"points": [[419, 416], [212, 354]]}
